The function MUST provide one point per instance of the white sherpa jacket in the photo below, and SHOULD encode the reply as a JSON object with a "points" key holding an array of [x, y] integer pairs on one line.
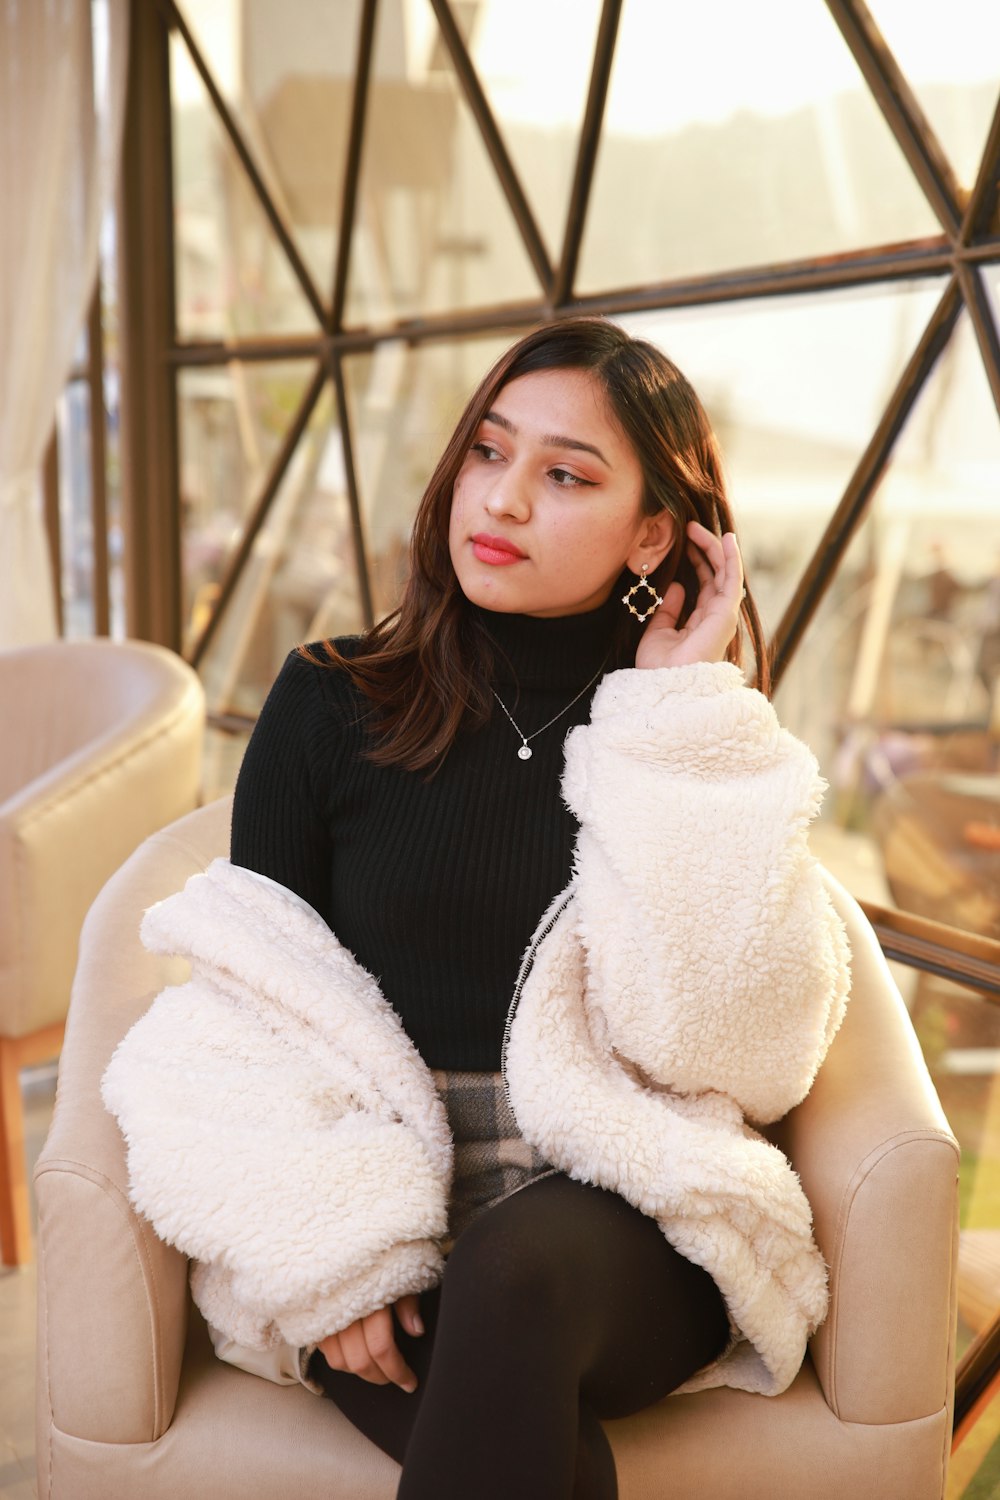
{"points": [[284, 1133]]}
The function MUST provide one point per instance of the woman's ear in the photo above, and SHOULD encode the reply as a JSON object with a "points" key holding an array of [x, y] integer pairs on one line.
{"points": [[653, 541]]}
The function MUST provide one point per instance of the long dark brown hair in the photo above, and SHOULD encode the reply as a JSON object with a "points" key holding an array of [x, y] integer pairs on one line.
{"points": [[426, 667]]}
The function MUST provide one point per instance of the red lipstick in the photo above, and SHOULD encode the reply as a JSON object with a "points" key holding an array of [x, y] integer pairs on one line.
{"points": [[495, 549]]}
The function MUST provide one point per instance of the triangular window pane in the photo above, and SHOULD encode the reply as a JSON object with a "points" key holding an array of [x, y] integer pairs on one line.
{"points": [[893, 682], [232, 420], [300, 582], [950, 451], [233, 278], [951, 59], [766, 149], [538, 94], [287, 74], [433, 232]]}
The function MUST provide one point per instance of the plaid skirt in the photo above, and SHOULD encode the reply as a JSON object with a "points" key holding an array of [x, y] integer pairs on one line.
{"points": [[492, 1159]]}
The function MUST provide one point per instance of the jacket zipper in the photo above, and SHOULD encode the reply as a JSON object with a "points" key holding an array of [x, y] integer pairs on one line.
{"points": [[522, 977]]}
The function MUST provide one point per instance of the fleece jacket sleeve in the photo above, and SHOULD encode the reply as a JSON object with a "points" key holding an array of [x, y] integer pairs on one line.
{"points": [[713, 951]]}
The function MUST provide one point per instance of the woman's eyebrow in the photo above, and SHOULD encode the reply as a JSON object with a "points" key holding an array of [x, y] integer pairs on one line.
{"points": [[550, 440]]}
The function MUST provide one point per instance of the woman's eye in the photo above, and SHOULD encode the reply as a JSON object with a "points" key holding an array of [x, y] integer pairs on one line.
{"points": [[567, 481], [486, 451]]}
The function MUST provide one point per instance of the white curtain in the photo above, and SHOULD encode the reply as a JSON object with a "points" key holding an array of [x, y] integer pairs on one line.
{"points": [[62, 95]]}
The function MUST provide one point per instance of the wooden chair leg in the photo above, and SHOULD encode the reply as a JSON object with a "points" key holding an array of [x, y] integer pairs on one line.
{"points": [[15, 1209], [15, 1202]]}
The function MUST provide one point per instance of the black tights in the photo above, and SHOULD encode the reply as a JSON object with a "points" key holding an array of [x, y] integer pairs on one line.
{"points": [[560, 1306]]}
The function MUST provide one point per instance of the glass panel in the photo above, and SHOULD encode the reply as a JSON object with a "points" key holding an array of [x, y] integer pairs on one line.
{"points": [[81, 352], [766, 149], [951, 60], [959, 1033], [300, 581], [232, 276], [991, 276], [793, 406], [76, 527], [433, 232], [404, 405], [895, 682], [287, 74], [232, 421], [537, 102], [112, 435]]}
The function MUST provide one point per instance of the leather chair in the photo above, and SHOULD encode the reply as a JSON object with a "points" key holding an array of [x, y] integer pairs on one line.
{"points": [[101, 745], [131, 1399]]}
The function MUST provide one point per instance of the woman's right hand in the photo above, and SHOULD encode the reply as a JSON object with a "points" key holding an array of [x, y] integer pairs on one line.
{"points": [[367, 1347]]}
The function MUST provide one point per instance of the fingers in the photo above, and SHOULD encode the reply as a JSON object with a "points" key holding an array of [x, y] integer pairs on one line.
{"points": [[664, 619], [408, 1313], [716, 561], [367, 1348], [358, 1358], [332, 1352], [373, 1348]]}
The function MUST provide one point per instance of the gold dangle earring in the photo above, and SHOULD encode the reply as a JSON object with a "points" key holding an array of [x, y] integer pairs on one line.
{"points": [[643, 583]]}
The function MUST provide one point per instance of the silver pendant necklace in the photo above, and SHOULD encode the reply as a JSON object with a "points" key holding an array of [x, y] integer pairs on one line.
{"points": [[525, 751]]}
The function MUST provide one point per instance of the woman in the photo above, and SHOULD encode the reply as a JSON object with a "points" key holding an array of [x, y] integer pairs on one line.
{"points": [[547, 1019]]}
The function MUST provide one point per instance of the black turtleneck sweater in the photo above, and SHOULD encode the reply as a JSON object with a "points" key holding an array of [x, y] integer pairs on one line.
{"points": [[435, 886]]}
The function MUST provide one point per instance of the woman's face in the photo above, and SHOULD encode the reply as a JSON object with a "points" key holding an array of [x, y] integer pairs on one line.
{"points": [[546, 509]]}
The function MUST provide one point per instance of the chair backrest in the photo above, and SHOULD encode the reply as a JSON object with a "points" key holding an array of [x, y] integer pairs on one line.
{"points": [[106, 749], [116, 978], [63, 698]]}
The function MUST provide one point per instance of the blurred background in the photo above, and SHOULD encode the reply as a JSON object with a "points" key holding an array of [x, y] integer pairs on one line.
{"points": [[316, 222]]}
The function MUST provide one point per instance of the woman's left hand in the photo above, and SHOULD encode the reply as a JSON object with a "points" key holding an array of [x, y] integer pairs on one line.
{"points": [[715, 618]]}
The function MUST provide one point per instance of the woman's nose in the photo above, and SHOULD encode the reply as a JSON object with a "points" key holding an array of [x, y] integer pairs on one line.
{"points": [[508, 498]]}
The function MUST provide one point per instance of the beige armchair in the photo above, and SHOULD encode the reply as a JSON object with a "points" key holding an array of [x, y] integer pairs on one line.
{"points": [[101, 745], [132, 1401]]}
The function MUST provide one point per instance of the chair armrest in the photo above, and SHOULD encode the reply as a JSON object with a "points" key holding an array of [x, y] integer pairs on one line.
{"points": [[879, 1165], [111, 1295]]}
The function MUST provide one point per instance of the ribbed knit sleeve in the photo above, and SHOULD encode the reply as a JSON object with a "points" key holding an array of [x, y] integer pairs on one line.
{"points": [[280, 828]]}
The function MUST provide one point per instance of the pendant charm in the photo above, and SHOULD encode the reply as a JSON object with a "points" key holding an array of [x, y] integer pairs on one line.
{"points": [[642, 584], [525, 751]]}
